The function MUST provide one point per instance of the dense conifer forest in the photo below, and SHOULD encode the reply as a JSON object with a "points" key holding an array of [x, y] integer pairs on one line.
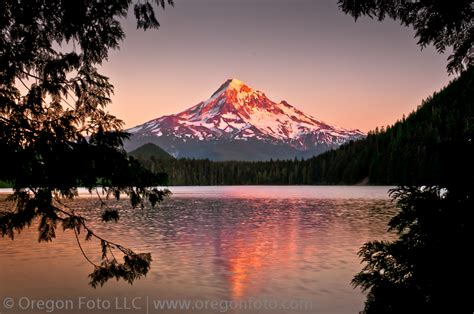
{"points": [[423, 148]]}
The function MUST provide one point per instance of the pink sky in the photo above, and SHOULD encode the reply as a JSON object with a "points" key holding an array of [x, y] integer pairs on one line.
{"points": [[355, 75]]}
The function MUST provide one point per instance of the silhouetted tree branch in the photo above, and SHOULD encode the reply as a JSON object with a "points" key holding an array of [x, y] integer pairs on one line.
{"points": [[427, 269], [444, 24], [55, 132], [429, 266]]}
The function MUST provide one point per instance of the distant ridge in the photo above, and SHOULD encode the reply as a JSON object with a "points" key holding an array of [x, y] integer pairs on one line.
{"points": [[150, 150]]}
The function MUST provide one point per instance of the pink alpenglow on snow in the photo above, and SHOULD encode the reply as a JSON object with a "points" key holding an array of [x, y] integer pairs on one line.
{"points": [[237, 113]]}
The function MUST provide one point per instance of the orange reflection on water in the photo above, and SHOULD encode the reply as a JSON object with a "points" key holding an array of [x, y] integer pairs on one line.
{"points": [[255, 251]]}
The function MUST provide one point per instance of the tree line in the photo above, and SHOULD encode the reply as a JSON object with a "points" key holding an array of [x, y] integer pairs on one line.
{"points": [[427, 147]]}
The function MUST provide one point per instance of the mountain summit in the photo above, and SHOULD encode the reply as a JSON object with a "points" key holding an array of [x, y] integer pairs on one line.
{"points": [[240, 123]]}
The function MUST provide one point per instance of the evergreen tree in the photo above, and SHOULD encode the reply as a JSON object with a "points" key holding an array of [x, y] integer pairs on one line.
{"points": [[444, 24], [55, 132], [429, 267]]}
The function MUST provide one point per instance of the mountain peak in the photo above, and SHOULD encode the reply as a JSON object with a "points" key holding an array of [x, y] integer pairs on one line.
{"points": [[234, 85], [237, 113]]}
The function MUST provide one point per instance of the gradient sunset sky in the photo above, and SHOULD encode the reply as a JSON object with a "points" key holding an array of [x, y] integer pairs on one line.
{"points": [[307, 52]]}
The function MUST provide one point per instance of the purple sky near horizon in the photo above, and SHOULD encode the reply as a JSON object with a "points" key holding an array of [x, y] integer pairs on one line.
{"points": [[309, 53]]}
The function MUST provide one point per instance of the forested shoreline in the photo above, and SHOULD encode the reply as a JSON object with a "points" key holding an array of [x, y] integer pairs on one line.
{"points": [[423, 148]]}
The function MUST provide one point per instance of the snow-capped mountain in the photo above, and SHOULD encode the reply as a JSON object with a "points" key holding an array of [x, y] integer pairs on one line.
{"points": [[240, 123]]}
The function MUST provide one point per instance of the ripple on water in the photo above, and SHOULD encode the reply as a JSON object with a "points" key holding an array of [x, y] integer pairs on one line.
{"points": [[225, 247]]}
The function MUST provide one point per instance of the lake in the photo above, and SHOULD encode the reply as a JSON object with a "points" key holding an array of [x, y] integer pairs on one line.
{"points": [[245, 249]]}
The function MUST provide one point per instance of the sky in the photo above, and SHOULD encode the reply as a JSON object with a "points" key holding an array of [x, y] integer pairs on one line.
{"points": [[350, 74]]}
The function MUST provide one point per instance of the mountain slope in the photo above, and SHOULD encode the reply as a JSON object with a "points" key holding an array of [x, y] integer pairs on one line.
{"points": [[433, 145], [240, 123]]}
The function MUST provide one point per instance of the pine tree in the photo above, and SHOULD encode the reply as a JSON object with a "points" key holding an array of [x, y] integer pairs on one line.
{"points": [[55, 132]]}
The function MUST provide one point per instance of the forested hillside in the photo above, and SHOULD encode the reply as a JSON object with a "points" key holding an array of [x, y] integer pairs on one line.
{"points": [[431, 145]]}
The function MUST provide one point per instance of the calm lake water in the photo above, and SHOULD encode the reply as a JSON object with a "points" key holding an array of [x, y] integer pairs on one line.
{"points": [[273, 246]]}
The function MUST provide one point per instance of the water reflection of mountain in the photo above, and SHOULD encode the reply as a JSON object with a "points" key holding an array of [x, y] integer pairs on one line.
{"points": [[215, 248], [248, 247]]}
